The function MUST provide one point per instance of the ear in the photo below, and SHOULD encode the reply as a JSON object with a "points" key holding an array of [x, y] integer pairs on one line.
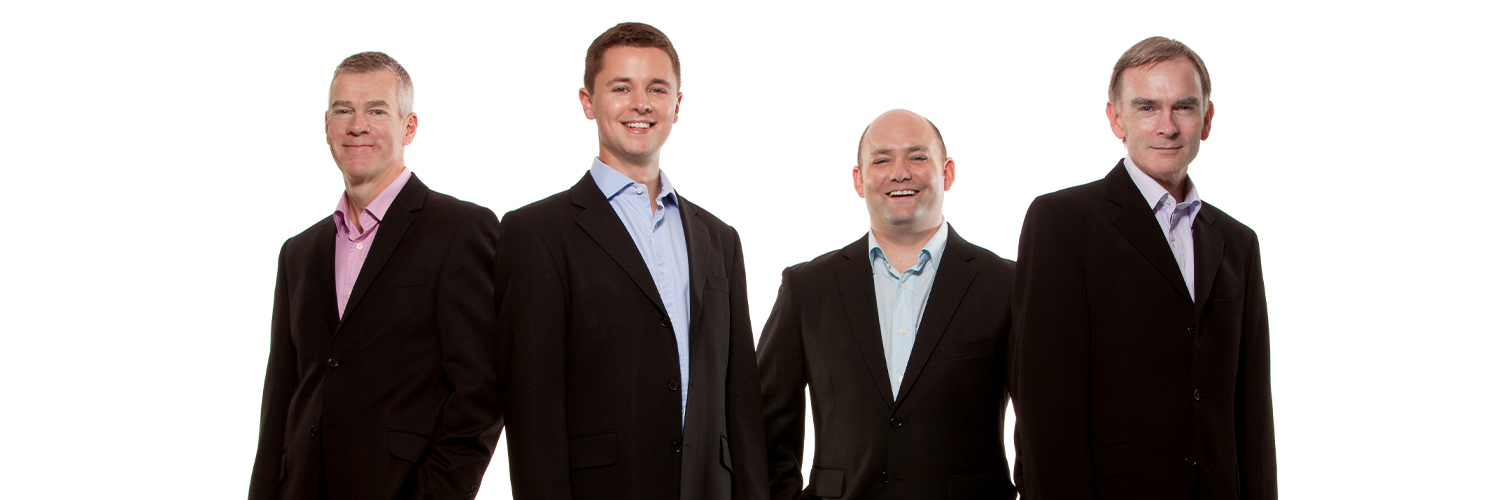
{"points": [[587, 101], [948, 174], [678, 110], [411, 129], [1208, 119], [1116, 122], [859, 183]]}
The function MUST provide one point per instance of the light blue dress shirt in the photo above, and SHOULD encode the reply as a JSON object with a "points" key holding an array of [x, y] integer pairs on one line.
{"points": [[1175, 217], [901, 298], [658, 237]]}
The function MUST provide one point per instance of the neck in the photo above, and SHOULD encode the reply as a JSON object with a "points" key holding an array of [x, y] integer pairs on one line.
{"points": [[646, 173], [1177, 187], [358, 193], [902, 246]]}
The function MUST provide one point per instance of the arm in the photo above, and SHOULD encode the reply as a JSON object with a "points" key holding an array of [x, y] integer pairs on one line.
{"points": [[783, 381], [469, 422], [747, 439], [533, 330], [1253, 423], [281, 380], [1050, 372]]}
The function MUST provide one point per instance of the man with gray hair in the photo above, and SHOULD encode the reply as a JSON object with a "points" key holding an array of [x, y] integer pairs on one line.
{"points": [[381, 381], [1141, 365]]}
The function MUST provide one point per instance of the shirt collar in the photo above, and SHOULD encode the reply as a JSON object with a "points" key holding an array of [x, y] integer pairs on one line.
{"points": [[1152, 190], [611, 182], [933, 249], [377, 206]]}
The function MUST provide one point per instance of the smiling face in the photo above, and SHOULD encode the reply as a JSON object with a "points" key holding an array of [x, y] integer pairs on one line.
{"points": [[365, 133], [902, 173], [1161, 114], [634, 102]]}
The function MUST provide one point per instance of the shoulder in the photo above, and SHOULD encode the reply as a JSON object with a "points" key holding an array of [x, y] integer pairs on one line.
{"points": [[1070, 200], [1229, 227], [713, 222], [448, 207], [305, 239], [546, 209]]}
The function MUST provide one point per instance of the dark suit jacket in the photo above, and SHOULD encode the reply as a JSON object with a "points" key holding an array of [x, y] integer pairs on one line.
{"points": [[942, 437], [399, 398], [592, 395], [1124, 386]]}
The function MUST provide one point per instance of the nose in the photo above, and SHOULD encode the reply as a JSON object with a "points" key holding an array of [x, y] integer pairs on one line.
{"points": [[1166, 124], [901, 171], [640, 102], [358, 125]]}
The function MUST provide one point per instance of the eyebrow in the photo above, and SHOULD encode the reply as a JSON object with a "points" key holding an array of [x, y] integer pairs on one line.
{"points": [[1186, 101], [626, 79], [887, 151], [372, 104]]}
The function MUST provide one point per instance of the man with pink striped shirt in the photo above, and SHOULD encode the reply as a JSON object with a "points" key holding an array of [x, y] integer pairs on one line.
{"points": [[381, 381]]}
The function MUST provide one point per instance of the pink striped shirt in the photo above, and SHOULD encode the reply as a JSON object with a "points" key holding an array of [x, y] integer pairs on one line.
{"points": [[349, 248]]}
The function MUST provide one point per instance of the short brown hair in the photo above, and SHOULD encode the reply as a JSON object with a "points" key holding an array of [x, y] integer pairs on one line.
{"points": [[1151, 51], [628, 35], [370, 62]]}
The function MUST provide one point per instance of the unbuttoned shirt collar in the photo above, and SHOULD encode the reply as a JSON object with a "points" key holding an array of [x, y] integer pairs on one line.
{"points": [[932, 253], [1176, 218], [351, 248], [370, 218], [611, 182], [901, 300]]}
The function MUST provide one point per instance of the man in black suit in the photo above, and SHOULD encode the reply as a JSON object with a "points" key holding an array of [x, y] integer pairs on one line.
{"points": [[902, 337], [632, 367], [381, 380], [1141, 363]]}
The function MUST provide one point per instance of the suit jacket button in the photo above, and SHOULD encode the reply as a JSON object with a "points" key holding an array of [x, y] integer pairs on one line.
{"points": [[1190, 461], [676, 447], [333, 363], [673, 384], [1197, 395], [896, 422], [666, 323], [884, 478], [1193, 331], [312, 432]]}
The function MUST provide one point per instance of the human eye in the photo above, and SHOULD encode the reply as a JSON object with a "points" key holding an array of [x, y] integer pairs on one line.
{"points": [[618, 88], [879, 161], [919, 158], [377, 111], [659, 90]]}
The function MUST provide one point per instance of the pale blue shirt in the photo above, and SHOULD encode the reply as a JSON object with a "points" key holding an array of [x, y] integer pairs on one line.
{"points": [[658, 237], [1175, 217], [901, 298]]}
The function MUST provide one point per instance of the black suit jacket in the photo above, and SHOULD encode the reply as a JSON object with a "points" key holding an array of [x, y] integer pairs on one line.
{"points": [[399, 398], [1124, 386], [592, 395], [942, 437]]}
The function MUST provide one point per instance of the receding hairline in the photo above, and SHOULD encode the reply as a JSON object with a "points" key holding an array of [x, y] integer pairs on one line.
{"points": [[859, 156]]}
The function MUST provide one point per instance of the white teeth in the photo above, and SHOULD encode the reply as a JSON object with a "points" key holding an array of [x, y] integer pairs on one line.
{"points": [[904, 192], [638, 125]]}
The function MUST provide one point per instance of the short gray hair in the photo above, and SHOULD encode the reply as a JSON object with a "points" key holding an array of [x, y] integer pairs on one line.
{"points": [[370, 62]]}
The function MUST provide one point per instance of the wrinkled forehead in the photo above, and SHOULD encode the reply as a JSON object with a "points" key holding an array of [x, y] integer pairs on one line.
{"points": [[896, 135]]}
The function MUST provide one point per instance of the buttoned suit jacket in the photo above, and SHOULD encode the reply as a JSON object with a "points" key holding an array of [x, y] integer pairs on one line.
{"points": [[592, 395], [398, 398], [942, 436], [1124, 385]]}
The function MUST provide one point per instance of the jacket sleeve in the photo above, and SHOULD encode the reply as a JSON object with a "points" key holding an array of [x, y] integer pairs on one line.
{"points": [[1050, 363], [276, 397], [747, 438], [533, 333], [469, 423], [1254, 426], [783, 381]]}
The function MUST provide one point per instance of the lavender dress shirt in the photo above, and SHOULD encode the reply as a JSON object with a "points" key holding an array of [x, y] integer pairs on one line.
{"points": [[350, 248]]}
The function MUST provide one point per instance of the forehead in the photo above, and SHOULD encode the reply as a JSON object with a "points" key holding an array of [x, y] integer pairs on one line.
{"points": [[900, 132], [1170, 79], [364, 86], [636, 63]]}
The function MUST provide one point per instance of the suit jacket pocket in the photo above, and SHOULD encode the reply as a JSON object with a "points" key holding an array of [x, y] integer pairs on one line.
{"points": [[1111, 460], [407, 446], [719, 283], [592, 450], [281, 476], [964, 349], [826, 482], [979, 486], [724, 453]]}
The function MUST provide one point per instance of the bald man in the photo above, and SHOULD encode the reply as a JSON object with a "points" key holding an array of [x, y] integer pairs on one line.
{"points": [[902, 338]]}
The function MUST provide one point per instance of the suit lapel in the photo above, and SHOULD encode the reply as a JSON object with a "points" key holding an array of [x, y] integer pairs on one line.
{"points": [[948, 289], [1140, 227], [392, 228], [695, 232], [857, 289], [323, 256], [602, 224], [1208, 253]]}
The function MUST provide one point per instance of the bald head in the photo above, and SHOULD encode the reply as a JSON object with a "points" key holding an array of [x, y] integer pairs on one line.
{"points": [[901, 119]]}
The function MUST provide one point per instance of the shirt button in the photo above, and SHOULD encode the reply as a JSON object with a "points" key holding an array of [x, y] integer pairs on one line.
{"points": [[637, 190], [896, 422], [662, 270], [903, 286], [1197, 395], [902, 331], [359, 246]]}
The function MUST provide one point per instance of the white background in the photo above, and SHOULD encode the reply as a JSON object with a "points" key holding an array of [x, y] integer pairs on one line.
{"points": [[157, 155]]}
